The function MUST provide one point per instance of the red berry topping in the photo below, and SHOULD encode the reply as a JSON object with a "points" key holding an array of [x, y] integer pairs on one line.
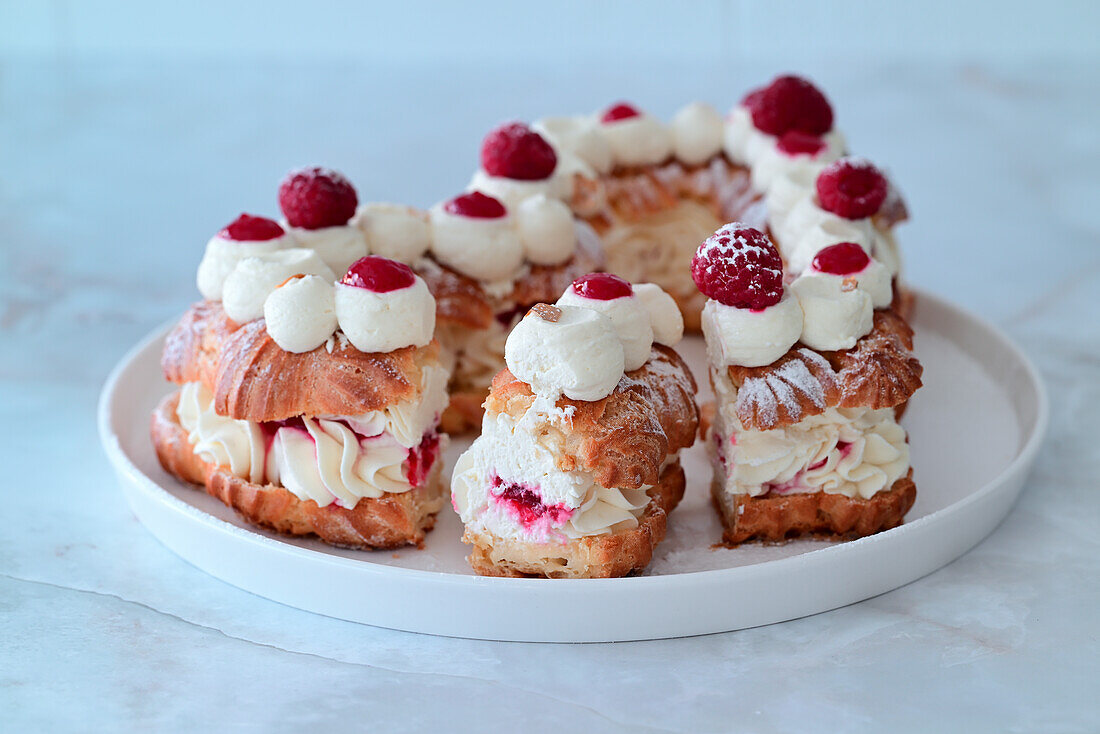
{"points": [[514, 150], [247, 228], [851, 188], [790, 103], [739, 266], [796, 142], [620, 111], [476, 205], [379, 274], [844, 258], [602, 287], [313, 198]]}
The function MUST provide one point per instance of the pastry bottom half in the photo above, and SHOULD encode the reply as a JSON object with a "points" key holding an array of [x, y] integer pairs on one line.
{"points": [[391, 521], [779, 518], [599, 556]]}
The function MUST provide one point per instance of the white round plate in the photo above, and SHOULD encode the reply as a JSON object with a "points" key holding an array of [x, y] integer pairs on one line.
{"points": [[975, 429]]}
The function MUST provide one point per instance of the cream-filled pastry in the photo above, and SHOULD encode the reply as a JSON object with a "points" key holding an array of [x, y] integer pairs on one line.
{"points": [[323, 416], [808, 379], [578, 464]]}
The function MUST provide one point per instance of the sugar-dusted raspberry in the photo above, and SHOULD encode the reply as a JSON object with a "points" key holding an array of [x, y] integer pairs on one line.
{"points": [[843, 258], [789, 103], [248, 228], [514, 150], [602, 287], [378, 274], [475, 205], [739, 266], [314, 198], [796, 142], [619, 111], [851, 188]]}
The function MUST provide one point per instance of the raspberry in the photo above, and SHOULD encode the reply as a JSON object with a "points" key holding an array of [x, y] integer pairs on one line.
{"points": [[851, 188], [602, 287], [789, 103], [739, 266], [619, 111], [843, 258], [378, 274], [247, 228], [313, 198], [515, 151], [475, 205], [799, 143]]}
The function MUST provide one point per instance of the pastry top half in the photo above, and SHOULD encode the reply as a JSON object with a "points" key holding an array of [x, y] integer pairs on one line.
{"points": [[253, 379], [880, 371]]}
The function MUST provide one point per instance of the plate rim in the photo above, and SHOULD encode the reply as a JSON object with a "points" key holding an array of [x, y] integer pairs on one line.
{"points": [[124, 465]]}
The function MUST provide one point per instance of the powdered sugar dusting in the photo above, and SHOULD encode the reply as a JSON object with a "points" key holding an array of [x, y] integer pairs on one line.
{"points": [[796, 374]]}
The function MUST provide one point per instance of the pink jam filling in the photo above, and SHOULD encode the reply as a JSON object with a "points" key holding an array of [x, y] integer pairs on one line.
{"points": [[418, 465], [796, 483], [421, 459], [524, 505]]}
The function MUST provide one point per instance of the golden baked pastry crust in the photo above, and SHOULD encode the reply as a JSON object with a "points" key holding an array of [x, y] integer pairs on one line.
{"points": [[623, 439], [880, 371], [390, 521], [778, 518], [599, 556], [253, 379]]}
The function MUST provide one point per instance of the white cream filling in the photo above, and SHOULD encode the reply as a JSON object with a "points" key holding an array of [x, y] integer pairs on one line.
{"points": [[217, 439], [526, 455], [324, 459], [855, 452]]}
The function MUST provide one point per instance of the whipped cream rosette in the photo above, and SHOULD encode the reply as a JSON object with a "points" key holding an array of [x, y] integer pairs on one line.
{"points": [[578, 465], [809, 380]]}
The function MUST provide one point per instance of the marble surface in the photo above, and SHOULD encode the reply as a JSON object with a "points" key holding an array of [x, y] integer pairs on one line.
{"points": [[113, 174]]}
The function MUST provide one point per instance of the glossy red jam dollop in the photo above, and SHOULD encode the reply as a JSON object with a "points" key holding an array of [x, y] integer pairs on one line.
{"points": [[475, 205], [602, 287], [379, 274], [619, 111], [844, 258], [247, 228]]}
